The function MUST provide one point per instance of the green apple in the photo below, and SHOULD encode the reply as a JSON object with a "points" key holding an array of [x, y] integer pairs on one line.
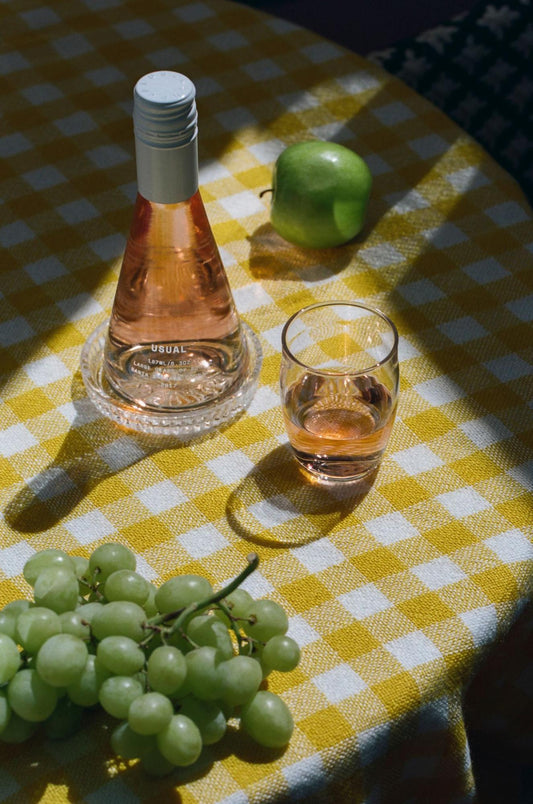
{"points": [[320, 193]]}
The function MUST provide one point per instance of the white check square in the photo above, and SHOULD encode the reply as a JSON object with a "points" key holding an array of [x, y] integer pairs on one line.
{"points": [[319, 555], [390, 528], [365, 601], [121, 453], [340, 683], [305, 777], [15, 439], [250, 297], [421, 292], [507, 213], [509, 367], [90, 527], [462, 330], [242, 204], [485, 271], [522, 308], [440, 391], [79, 307], [413, 650], [511, 546], [231, 468], [380, 256], [203, 541], [445, 235], [274, 511], [417, 459], [463, 502], [482, 624], [393, 113], [13, 558], [301, 631], [438, 573], [161, 496], [15, 330], [485, 431]]}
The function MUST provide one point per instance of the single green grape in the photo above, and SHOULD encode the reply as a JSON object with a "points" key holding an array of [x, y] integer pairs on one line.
{"points": [[154, 763], [239, 679], [65, 720], [44, 559], [280, 653], [180, 591], [72, 622], [8, 623], [149, 604], [61, 660], [150, 713], [267, 619], [5, 709], [267, 719], [129, 744], [166, 669], [180, 741], [9, 658], [207, 715], [85, 689], [81, 570], [18, 730], [238, 603], [56, 588], [206, 629], [30, 696], [17, 606], [178, 640], [202, 673], [35, 626], [88, 610], [108, 558], [126, 584], [120, 617], [121, 655], [117, 693]]}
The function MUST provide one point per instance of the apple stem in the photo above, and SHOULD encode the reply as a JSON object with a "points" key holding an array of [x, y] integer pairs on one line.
{"points": [[263, 192]]}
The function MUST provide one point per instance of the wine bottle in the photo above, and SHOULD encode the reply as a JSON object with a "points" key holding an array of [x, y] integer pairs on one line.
{"points": [[175, 341]]}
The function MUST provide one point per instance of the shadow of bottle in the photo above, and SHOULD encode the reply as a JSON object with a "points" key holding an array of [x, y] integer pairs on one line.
{"points": [[90, 453], [278, 505]]}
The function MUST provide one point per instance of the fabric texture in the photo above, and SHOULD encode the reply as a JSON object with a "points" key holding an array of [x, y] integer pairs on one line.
{"points": [[478, 68], [398, 594]]}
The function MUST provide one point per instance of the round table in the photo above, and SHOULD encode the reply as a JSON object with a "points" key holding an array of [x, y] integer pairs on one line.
{"points": [[399, 597]]}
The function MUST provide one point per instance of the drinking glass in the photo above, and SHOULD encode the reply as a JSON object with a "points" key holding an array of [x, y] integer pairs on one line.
{"points": [[339, 388]]}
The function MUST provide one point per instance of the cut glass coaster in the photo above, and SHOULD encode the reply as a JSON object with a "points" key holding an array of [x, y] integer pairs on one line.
{"points": [[183, 423]]}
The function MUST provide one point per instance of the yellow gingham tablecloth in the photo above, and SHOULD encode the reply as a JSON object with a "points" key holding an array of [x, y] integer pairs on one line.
{"points": [[398, 597]]}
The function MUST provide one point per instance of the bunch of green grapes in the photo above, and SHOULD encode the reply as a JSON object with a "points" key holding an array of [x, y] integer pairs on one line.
{"points": [[171, 664]]}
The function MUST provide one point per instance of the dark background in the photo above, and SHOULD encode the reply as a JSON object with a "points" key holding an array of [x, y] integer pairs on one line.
{"points": [[368, 24]]}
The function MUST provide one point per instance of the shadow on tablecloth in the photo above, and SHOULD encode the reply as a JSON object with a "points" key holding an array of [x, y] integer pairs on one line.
{"points": [[275, 506]]}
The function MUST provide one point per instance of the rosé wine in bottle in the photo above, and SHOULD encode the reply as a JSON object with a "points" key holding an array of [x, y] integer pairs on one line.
{"points": [[174, 340]]}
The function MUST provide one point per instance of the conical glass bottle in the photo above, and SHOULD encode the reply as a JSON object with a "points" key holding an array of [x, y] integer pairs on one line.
{"points": [[175, 341]]}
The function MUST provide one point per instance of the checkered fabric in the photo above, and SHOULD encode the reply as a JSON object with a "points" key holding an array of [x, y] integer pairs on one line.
{"points": [[396, 596]]}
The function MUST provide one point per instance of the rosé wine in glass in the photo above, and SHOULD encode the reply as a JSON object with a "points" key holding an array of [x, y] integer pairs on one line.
{"points": [[339, 388]]}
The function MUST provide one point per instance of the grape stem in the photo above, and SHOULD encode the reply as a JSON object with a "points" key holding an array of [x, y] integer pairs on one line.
{"points": [[231, 619], [182, 616]]}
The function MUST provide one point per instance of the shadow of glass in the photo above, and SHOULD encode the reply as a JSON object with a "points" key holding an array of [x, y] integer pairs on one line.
{"points": [[277, 505]]}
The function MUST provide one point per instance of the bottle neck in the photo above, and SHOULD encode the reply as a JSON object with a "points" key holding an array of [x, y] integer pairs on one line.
{"points": [[167, 175]]}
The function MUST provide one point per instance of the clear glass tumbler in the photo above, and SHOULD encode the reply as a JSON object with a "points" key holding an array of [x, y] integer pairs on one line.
{"points": [[339, 388]]}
